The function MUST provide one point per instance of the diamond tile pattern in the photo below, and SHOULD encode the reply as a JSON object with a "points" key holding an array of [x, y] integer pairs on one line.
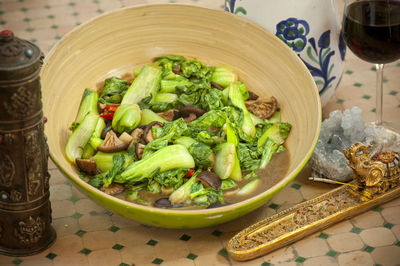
{"points": [[372, 238]]}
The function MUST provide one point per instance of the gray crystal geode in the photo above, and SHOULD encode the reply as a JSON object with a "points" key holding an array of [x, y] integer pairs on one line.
{"points": [[338, 132]]}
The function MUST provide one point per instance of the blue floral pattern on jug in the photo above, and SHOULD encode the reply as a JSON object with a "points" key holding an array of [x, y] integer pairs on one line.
{"points": [[294, 33]]}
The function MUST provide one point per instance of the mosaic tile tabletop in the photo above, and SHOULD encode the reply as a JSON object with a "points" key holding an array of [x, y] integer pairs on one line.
{"points": [[87, 234]]}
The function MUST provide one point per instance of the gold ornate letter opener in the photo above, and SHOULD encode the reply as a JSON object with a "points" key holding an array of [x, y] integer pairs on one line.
{"points": [[376, 180]]}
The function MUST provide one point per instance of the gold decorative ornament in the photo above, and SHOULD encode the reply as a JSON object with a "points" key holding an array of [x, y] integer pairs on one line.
{"points": [[376, 180]]}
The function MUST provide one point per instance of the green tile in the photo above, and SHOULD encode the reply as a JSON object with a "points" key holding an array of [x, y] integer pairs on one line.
{"points": [[339, 101], [274, 206], [123, 264], [100, 11], [355, 230], [68, 183], [54, 27], [398, 243], [388, 225], [75, 14], [357, 84], [93, 213], [398, 106], [71, 4], [27, 19], [85, 251], [50, 17], [191, 256], [300, 259], [33, 40], [185, 237], [369, 249], [265, 264], [152, 242], [393, 93], [3, 22], [295, 186], [367, 97], [96, 1], [373, 110], [1, 12], [57, 37], [113, 229], [24, 9], [77, 215], [80, 233], [377, 209], [74, 198], [385, 80], [47, 6], [157, 261], [323, 236], [20, 1], [349, 72], [17, 261], [78, 23], [398, 64], [331, 253], [109, 213], [377, 264], [216, 233], [373, 68], [51, 256], [223, 252], [118, 247], [30, 29]]}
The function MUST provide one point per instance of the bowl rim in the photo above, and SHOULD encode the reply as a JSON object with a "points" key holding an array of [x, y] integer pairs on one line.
{"points": [[281, 183]]}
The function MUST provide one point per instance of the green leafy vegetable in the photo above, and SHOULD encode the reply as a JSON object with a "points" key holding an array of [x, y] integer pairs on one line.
{"points": [[113, 90]]}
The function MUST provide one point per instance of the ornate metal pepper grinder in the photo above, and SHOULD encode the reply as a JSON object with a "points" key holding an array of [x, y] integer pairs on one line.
{"points": [[25, 211]]}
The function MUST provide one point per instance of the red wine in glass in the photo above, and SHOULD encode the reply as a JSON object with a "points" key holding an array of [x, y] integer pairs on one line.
{"points": [[371, 29]]}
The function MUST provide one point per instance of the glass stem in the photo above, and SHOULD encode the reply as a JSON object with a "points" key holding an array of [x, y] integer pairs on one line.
{"points": [[379, 94]]}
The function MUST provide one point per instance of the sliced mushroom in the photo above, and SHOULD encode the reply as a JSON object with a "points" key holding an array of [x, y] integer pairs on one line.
{"points": [[216, 86], [190, 118], [252, 96], [136, 134], [101, 107], [113, 189], [125, 137], [191, 109], [112, 143], [106, 129], [209, 179], [139, 148], [148, 134], [169, 115], [162, 203], [167, 190], [177, 70], [263, 109], [231, 192], [87, 166]]}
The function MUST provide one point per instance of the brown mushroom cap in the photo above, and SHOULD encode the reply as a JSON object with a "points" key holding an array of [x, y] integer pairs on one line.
{"points": [[209, 179], [190, 118], [263, 109], [162, 203], [148, 134], [112, 143], [191, 109], [139, 148], [216, 86], [87, 166], [252, 96], [113, 189], [169, 115]]}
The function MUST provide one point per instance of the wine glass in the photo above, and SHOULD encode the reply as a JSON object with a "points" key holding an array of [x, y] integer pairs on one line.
{"points": [[371, 29]]}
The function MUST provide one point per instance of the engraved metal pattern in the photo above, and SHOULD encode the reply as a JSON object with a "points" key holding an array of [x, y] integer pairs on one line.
{"points": [[21, 103], [15, 195], [33, 161], [30, 230], [13, 48], [7, 170]]}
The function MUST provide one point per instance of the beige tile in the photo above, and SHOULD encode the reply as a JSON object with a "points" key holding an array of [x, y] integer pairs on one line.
{"points": [[95, 223], [123, 222], [311, 247], [76, 192], [41, 23], [171, 250], [387, 256], [67, 245], [212, 259], [178, 262], [377, 237], [368, 220], [281, 255], [62, 208], [131, 236], [396, 231], [99, 240], [104, 257], [137, 255], [256, 261], [86, 206], [320, 261], [66, 226], [56, 177], [42, 261], [392, 203], [288, 195], [60, 192], [341, 227], [355, 258], [76, 259], [203, 244], [345, 242]]}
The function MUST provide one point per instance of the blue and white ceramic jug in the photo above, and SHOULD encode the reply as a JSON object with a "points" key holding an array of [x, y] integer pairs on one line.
{"points": [[311, 28]]}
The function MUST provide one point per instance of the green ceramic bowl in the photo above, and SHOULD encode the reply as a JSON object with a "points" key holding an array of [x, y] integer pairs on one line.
{"points": [[116, 42]]}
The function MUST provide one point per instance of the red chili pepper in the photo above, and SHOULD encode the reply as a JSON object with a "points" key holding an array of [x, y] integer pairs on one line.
{"points": [[190, 173], [108, 116], [111, 108]]}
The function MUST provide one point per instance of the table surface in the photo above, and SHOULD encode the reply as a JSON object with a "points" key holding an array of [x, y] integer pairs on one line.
{"points": [[87, 234]]}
